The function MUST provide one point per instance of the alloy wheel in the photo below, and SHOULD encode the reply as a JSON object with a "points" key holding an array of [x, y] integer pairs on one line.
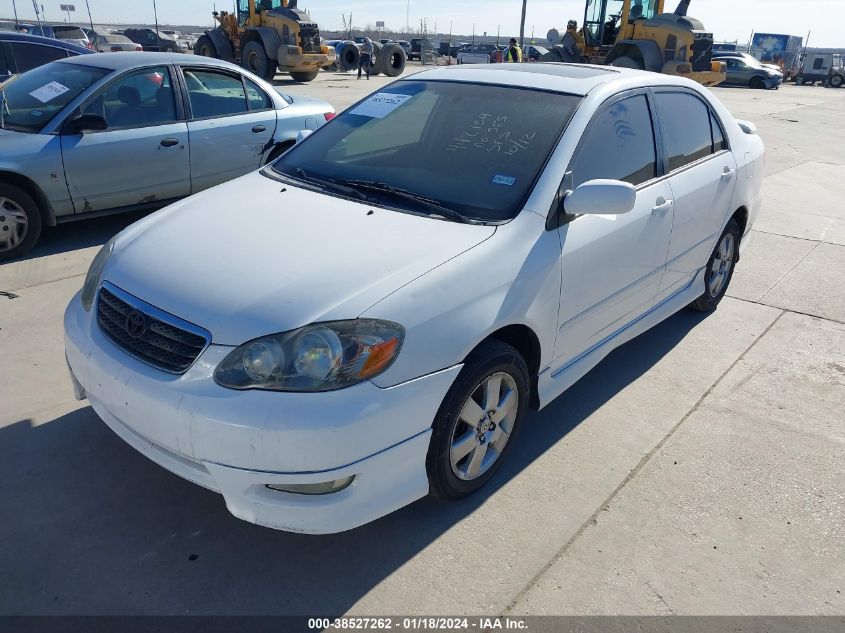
{"points": [[14, 224], [484, 426], [723, 260]]}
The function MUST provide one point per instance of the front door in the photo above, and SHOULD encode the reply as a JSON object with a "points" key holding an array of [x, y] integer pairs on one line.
{"points": [[612, 264], [231, 128], [142, 157], [702, 175]]}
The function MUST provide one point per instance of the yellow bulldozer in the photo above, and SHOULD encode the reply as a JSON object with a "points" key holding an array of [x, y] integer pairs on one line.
{"points": [[266, 37], [639, 34]]}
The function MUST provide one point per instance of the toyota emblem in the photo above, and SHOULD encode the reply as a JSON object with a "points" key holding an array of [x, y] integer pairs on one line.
{"points": [[136, 324]]}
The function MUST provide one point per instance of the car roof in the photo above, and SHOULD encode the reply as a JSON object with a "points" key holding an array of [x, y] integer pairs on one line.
{"points": [[12, 36], [574, 79], [132, 59]]}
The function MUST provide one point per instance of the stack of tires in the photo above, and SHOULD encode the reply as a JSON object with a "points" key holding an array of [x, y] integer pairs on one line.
{"points": [[388, 59]]}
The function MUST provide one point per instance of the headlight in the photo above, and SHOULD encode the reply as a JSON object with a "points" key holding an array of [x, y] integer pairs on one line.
{"points": [[92, 279], [319, 357]]}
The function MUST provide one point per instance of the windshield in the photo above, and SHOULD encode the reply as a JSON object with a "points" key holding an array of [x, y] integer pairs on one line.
{"points": [[36, 96], [474, 149]]}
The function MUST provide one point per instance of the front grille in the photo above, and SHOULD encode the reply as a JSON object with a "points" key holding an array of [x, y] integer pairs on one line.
{"points": [[147, 333], [309, 38]]}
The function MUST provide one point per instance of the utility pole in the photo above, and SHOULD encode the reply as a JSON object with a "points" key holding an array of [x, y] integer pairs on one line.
{"points": [[90, 19], [155, 15], [522, 25], [408, 17], [15, 8]]}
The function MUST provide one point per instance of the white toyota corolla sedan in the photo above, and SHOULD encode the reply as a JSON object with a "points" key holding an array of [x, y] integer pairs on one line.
{"points": [[367, 320]]}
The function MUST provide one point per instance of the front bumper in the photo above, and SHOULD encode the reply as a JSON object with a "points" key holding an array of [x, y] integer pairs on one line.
{"points": [[237, 442]]}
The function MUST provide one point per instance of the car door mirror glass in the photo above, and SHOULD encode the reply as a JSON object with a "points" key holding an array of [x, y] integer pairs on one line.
{"points": [[601, 197], [86, 123], [302, 135]]}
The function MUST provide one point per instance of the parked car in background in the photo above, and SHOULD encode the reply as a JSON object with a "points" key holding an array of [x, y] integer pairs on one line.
{"points": [[113, 43], [64, 32], [479, 54], [749, 73], [406, 46], [20, 52], [534, 53], [152, 41], [123, 131], [750, 59], [356, 327]]}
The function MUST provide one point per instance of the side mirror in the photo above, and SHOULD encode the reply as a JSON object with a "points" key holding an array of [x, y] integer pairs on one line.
{"points": [[601, 197], [86, 123], [302, 135]]}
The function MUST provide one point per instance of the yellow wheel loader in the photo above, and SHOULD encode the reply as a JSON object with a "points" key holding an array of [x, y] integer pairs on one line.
{"points": [[638, 34], [266, 37]]}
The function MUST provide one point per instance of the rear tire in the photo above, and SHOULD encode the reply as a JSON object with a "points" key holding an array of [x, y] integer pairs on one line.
{"points": [[206, 48], [627, 62], [278, 151], [757, 83], [477, 420], [256, 60], [20, 222], [304, 76], [720, 269]]}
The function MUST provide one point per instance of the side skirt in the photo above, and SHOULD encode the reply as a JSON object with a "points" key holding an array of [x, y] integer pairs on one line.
{"points": [[552, 383]]}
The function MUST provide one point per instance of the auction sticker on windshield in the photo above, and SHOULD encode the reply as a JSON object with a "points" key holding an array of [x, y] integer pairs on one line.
{"points": [[380, 105], [49, 91]]}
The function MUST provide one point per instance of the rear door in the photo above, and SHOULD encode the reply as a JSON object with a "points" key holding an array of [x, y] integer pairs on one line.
{"points": [[231, 126], [142, 157], [612, 264], [702, 175]]}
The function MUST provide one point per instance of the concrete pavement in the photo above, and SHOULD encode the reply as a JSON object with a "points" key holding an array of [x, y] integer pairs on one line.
{"points": [[698, 470]]}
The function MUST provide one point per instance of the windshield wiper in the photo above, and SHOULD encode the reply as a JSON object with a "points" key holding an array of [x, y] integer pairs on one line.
{"points": [[301, 174], [427, 203]]}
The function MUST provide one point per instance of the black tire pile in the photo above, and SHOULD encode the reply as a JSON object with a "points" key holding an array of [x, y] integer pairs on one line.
{"points": [[388, 59]]}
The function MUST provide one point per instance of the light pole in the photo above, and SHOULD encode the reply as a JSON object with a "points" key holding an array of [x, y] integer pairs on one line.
{"points": [[90, 19], [408, 17], [15, 9]]}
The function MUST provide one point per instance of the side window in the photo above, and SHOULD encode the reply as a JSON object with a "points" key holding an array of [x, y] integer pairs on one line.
{"points": [[29, 56], [258, 99], [817, 65], [718, 137], [686, 123], [215, 94], [143, 97], [619, 145]]}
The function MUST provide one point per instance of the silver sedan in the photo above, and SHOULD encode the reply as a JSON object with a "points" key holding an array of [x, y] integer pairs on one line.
{"points": [[116, 132]]}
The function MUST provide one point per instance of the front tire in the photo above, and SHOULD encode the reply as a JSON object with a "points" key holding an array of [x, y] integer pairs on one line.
{"points": [[836, 81], [627, 62], [478, 421], [757, 83], [720, 269], [304, 76], [205, 47], [20, 222], [255, 60]]}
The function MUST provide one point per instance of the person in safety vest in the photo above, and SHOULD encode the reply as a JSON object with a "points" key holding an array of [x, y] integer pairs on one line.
{"points": [[513, 53]]}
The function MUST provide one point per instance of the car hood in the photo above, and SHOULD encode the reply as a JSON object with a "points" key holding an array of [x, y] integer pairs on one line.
{"points": [[255, 256]]}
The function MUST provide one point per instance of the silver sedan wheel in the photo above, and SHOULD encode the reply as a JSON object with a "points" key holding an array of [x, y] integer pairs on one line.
{"points": [[484, 426], [720, 271], [14, 224]]}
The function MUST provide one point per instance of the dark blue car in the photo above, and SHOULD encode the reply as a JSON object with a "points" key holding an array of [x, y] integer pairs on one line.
{"points": [[20, 52]]}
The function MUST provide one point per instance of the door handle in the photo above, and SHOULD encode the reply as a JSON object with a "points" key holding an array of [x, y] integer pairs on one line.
{"points": [[662, 207], [169, 142], [258, 128], [728, 173]]}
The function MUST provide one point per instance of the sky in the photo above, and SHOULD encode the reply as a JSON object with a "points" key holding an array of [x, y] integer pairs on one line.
{"points": [[729, 20]]}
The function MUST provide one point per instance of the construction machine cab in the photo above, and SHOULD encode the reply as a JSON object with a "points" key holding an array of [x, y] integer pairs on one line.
{"points": [[606, 20]]}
